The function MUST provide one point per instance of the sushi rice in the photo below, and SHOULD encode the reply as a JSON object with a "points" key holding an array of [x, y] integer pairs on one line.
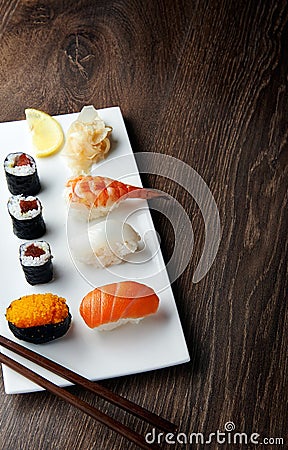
{"points": [[112, 325], [24, 170], [15, 210], [32, 260], [81, 213]]}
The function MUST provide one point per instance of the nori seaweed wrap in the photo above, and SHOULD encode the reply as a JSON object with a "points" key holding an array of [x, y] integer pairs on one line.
{"points": [[43, 333], [21, 174], [36, 262], [26, 215]]}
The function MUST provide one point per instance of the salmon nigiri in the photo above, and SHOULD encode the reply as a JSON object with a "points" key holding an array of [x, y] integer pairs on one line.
{"points": [[115, 304], [97, 195]]}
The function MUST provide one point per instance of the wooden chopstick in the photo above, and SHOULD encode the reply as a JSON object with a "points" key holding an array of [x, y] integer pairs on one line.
{"points": [[96, 388], [75, 401]]}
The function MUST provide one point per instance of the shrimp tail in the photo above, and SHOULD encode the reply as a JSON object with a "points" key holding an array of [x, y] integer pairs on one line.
{"points": [[143, 193]]}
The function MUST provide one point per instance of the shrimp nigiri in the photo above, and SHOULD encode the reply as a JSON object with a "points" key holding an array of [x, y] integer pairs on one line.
{"points": [[98, 195], [110, 306]]}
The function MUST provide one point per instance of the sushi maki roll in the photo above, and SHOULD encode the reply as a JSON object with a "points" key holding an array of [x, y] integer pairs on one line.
{"points": [[26, 215], [36, 262], [21, 174], [38, 318]]}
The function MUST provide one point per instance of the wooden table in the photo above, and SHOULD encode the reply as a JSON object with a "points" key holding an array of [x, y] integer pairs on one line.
{"points": [[205, 82]]}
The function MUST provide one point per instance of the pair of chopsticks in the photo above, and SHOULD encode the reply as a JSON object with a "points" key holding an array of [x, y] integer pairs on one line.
{"points": [[96, 388]]}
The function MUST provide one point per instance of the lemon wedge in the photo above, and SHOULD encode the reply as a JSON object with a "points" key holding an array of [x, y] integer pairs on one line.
{"points": [[47, 133]]}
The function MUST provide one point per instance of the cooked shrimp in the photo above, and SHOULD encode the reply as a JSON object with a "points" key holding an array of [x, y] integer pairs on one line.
{"points": [[100, 194]]}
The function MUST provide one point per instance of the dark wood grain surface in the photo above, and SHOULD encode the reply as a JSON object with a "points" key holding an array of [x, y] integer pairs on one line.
{"points": [[206, 82]]}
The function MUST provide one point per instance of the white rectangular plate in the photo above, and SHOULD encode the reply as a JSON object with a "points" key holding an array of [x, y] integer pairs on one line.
{"points": [[154, 343]]}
